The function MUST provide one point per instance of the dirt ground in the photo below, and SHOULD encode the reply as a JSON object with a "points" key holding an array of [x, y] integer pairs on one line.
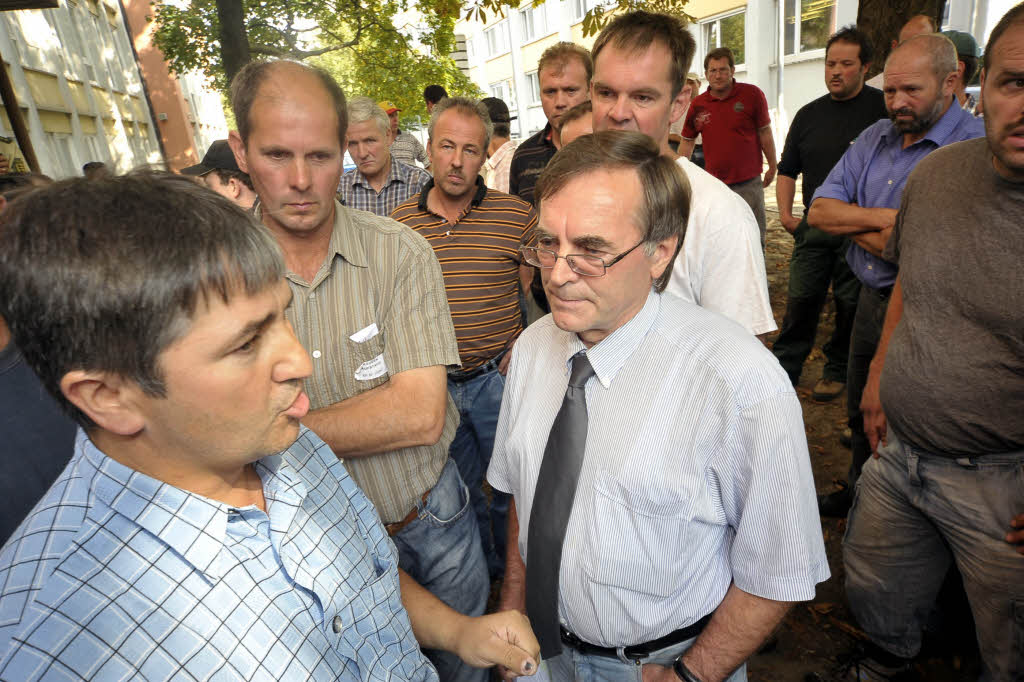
{"points": [[818, 637]]}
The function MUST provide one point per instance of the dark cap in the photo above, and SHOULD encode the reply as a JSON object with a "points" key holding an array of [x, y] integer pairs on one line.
{"points": [[966, 45], [218, 157], [497, 109]]}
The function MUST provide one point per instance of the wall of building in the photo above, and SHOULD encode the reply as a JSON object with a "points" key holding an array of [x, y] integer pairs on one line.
{"points": [[78, 87], [189, 114], [506, 74]]}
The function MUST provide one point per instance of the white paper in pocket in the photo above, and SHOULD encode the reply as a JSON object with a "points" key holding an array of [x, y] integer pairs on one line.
{"points": [[371, 369], [365, 334]]}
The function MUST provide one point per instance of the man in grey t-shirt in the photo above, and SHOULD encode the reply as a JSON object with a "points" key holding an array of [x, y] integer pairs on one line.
{"points": [[947, 480]]}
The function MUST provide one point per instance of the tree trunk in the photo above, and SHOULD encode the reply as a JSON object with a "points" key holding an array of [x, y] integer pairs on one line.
{"points": [[883, 19], [234, 42]]}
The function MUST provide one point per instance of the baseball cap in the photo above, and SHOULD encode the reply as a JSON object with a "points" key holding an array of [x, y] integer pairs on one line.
{"points": [[965, 43], [218, 157], [388, 107], [497, 109]]}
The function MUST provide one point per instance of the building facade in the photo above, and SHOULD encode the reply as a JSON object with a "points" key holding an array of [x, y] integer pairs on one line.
{"points": [[502, 54], [80, 90]]}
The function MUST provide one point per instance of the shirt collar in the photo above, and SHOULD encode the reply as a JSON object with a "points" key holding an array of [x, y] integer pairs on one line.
{"points": [[478, 195], [732, 92], [394, 175], [193, 526], [343, 240], [940, 133], [609, 355]]}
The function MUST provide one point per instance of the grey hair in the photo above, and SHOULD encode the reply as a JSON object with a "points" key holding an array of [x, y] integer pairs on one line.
{"points": [[665, 205], [362, 109], [465, 105], [104, 275]]}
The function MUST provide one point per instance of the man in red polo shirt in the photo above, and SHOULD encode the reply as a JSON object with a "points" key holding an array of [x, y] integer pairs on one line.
{"points": [[733, 119]]}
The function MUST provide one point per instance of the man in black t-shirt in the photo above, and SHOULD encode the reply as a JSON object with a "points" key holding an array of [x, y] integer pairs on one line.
{"points": [[820, 133]]}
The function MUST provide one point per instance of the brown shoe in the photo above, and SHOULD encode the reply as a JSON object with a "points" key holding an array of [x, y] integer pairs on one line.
{"points": [[826, 390]]}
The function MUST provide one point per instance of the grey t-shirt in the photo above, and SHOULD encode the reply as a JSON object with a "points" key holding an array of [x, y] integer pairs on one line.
{"points": [[953, 382]]}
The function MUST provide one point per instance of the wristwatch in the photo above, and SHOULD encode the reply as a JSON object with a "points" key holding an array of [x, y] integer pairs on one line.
{"points": [[683, 672]]}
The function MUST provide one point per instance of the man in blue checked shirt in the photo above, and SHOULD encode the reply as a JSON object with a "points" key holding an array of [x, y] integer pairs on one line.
{"points": [[861, 195], [192, 535]]}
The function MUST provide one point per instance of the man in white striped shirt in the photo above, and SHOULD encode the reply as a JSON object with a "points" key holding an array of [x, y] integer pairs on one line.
{"points": [[694, 523]]}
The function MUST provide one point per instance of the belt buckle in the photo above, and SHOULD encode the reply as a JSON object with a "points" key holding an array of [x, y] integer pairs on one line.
{"points": [[629, 657]]}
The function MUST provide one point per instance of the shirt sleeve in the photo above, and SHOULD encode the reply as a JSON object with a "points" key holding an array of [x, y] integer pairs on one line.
{"points": [[768, 494], [421, 153], [841, 182], [791, 165], [689, 131], [418, 330], [763, 118]]}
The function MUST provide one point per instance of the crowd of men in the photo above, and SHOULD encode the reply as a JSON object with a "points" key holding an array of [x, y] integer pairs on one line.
{"points": [[255, 407]]}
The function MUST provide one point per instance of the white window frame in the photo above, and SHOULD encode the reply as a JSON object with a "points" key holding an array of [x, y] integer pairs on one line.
{"points": [[533, 88], [533, 24], [706, 25], [579, 10], [497, 40], [502, 92], [797, 21]]}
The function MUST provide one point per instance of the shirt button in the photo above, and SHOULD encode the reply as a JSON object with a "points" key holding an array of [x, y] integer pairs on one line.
{"points": [[890, 182], [871, 267], [317, 354], [313, 296], [336, 624]]}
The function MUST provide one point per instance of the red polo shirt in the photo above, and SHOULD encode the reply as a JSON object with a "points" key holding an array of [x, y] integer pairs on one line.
{"points": [[732, 150]]}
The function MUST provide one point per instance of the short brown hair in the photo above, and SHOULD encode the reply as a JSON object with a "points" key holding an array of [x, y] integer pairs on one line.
{"points": [[559, 54], [466, 106], [636, 31], [665, 206], [720, 53], [105, 274], [579, 111], [247, 82]]}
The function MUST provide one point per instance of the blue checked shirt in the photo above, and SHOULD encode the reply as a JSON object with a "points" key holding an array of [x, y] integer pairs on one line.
{"points": [[403, 182], [874, 170], [117, 576]]}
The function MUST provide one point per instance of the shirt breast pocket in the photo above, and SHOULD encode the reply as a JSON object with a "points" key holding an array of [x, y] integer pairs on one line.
{"points": [[363, 361], [640, 541]]}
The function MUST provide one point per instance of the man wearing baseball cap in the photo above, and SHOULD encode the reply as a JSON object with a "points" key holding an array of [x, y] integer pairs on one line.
{"points": [[967, 56], [219, 172], [500, 149], [406, 148]]}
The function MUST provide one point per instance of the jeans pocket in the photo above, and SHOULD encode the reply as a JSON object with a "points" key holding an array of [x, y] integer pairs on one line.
{"points": [[448, 501]]}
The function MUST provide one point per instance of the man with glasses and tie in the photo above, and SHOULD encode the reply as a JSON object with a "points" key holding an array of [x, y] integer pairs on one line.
{"points": [[661, 446]]}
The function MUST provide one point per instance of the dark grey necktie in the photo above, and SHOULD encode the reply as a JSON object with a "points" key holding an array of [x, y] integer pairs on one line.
{"points": [[552, 504]]}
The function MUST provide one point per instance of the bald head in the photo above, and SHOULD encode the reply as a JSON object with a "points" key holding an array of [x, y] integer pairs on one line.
{"points": [[285, 80], [917, 25], [937, 50]]}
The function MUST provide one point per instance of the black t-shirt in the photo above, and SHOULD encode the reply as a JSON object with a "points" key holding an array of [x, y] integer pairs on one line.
{"points": [[528, 162], [36, 440], [821, 133]]}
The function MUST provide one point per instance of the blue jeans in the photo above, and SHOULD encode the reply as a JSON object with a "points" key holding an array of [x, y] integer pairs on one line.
{"points": [[440, 549], [479, 401], [913, 513], [572, 666]]}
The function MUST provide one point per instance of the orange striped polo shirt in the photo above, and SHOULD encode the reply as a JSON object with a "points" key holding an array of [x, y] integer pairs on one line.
{"points": [[480, 259]]}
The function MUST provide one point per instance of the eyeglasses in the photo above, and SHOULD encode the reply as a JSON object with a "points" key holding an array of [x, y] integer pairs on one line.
{"points": [[582, 264]]}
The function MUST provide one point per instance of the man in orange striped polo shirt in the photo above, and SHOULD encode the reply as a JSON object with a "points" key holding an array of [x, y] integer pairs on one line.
{"points": [[476, 233]]}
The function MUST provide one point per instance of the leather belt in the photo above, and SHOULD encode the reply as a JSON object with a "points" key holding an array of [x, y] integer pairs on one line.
{"points": [[393, 528], [637, 652], [459, 376]]}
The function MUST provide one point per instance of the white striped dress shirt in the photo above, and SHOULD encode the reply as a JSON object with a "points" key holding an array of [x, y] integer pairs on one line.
{"points": [[696, 472]]}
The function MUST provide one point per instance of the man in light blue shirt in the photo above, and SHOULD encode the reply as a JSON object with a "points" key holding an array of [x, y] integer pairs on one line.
{"points": [[191, 535], [860, 198], [692, 525]]}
